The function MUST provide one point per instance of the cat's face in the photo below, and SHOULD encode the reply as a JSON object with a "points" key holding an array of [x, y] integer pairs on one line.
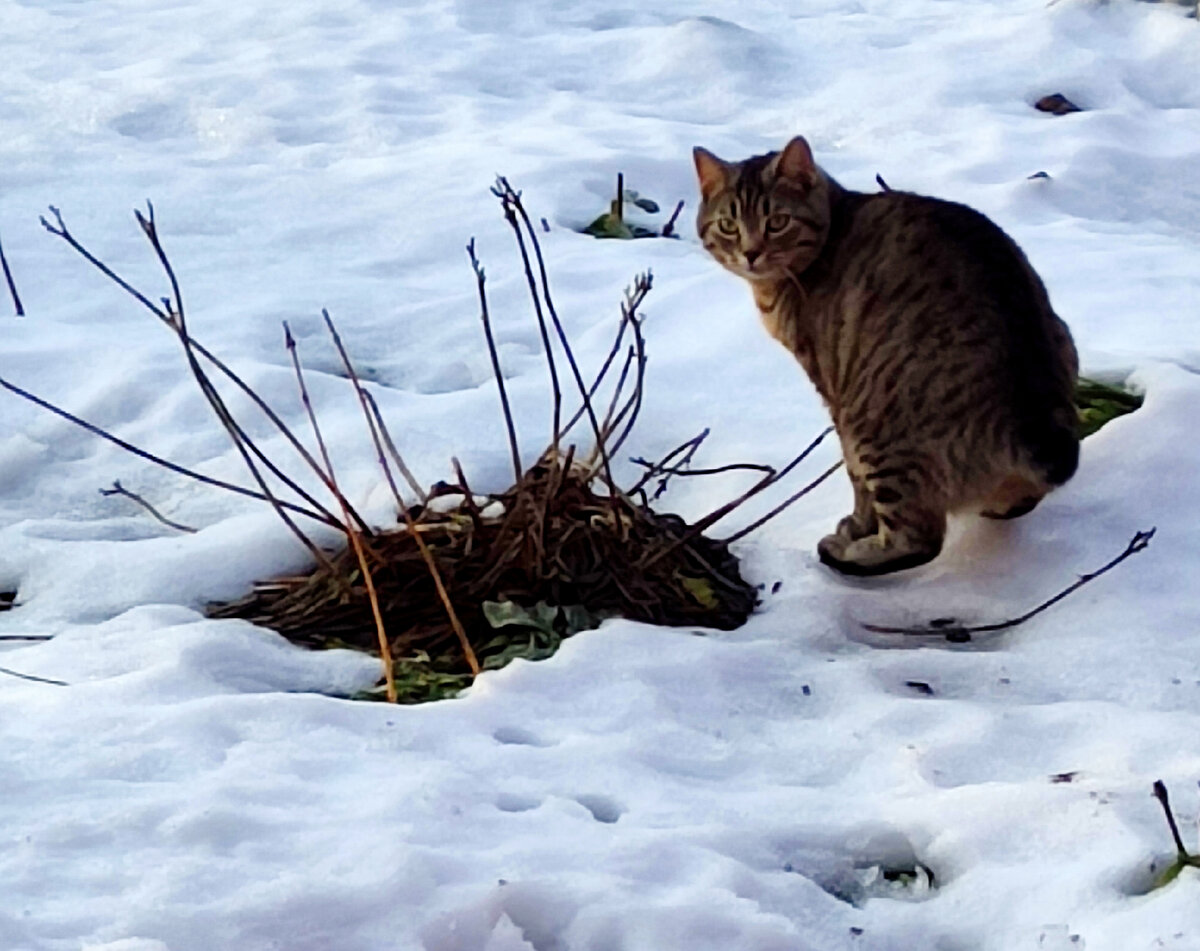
{"points": [[765, 216]]}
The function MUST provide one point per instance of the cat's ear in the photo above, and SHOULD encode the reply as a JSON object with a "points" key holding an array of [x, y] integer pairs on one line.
{"points": [[796, 163], [711, 171]]}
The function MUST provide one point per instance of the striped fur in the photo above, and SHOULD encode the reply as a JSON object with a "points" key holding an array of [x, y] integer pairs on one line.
{"points": [[923, 327]]}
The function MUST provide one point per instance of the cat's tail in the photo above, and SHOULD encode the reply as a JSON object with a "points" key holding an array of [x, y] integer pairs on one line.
{"points": [[1054, 445]]}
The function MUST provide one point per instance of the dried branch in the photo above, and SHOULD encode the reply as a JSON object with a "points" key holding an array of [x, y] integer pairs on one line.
{"points": [[36, 680], [159, 460], [796, 496], [118, 489], [480, 280], [178, 322], [882, 184], [957, 633], [385, 647], [12, 287], [60, 230]]}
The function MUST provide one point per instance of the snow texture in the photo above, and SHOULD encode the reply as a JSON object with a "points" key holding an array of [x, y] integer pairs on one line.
{"points": [[199, 784]]}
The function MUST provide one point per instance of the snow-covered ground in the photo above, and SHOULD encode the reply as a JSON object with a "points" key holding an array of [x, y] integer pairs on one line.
{"points": [[199, 785]]}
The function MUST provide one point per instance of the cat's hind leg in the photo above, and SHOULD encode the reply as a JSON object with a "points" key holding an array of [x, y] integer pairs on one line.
{"points": [[862, 521], [909, 517], [1016, 495]]}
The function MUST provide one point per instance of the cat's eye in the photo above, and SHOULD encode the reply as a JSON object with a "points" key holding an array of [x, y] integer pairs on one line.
{"points": [[727, 226], [777, 222]]}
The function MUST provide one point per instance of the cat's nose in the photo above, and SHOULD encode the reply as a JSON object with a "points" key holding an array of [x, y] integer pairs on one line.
{"points": [[752, 255]]}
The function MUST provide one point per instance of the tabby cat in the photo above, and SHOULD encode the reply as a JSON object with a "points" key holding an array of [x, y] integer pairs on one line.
{"points": [[925, 330]]}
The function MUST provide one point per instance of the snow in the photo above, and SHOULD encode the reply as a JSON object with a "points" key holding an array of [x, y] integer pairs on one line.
{"points": [[200, 784]]}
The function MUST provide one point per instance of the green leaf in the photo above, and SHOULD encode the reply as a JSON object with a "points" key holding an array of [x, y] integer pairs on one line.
{"points": [[701, 590], [608, 225], [1100, 403]]}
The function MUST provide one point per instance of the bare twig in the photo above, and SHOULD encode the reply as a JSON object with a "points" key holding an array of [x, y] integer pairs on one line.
{"points": [[958, 633], [794, 497], [118, 489], [715, 516], [882, 184], [159, 460], [385, 647], [26, 637], [12, 287], [480, 280], [759, 486], [61, 230], [657, 470], [688, 446], [36, 680], [1160, 793], [178, 322]]}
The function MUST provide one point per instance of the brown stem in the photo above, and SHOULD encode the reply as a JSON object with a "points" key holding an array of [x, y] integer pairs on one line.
{"points": [[159, 460], [240, 440], [36, 680], [385, 647], [60, 230], [795, 497], [118, 489]]}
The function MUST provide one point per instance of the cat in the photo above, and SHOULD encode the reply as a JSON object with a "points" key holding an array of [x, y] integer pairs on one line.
{"points": [[927, 334]]}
